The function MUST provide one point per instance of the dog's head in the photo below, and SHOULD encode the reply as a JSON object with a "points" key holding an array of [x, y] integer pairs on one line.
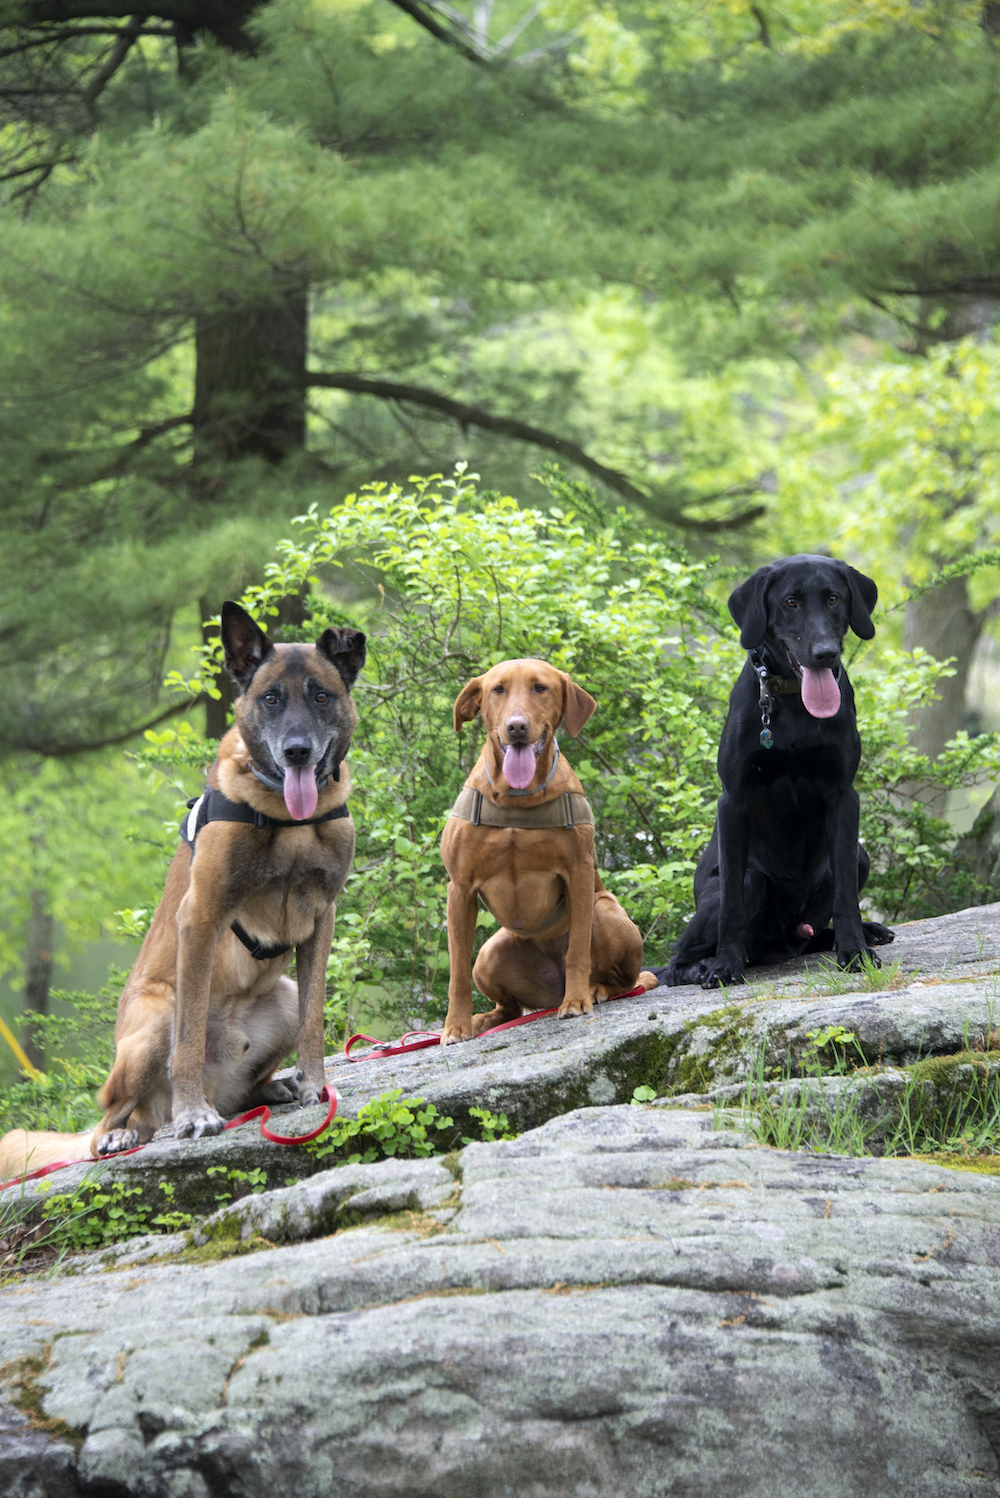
{"points": [[296, 714], [522, 704], [803, 606]]}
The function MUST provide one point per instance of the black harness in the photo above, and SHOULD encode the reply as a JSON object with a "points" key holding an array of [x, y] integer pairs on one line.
{"points": [[213, 806]]}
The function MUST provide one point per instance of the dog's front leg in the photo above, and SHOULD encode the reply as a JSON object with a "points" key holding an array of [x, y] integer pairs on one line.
{"points": [[580, 907], [310, 966], [733, 826], [461, 934], [842, 818], [197, 941]]}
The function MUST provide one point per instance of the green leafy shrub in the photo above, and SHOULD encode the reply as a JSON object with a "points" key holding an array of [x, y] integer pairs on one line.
{"points": [[95, 1214], [387, 1126]]}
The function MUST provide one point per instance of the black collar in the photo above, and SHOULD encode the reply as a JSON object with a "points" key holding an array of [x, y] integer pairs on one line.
{"points": [[213, 806]]}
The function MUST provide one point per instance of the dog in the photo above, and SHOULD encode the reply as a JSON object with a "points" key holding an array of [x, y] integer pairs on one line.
{"points": [[207, 1014], [784, 857], [520, 839]]}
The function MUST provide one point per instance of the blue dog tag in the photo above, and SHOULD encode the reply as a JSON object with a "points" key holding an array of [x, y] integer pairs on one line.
{"points": [[766, 738]]}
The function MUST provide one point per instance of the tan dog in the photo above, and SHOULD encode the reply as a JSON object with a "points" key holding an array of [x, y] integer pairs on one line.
{"points": [[207, 1015], [521, 839]]}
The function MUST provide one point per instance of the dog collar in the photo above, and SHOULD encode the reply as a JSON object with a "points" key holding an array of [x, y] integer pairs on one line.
{"points": [[771, 687], [538, 788]]}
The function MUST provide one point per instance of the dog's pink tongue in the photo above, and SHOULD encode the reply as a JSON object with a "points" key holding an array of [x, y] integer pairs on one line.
{"points": [[519, 766], [301, 794], [820, 692]]}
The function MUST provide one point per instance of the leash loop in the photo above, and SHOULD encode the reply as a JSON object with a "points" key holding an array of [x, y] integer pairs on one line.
{"points": [[263, 1112], [427, 1038]]}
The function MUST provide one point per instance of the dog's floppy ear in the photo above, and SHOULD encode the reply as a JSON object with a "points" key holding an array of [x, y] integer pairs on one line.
{"points": [[244, 642], [864, 596], [577, 707], [468, 702], [346, 650], [748, 606]]}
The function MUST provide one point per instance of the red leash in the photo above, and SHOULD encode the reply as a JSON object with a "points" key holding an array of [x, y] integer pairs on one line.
{"points": [[433, 1037], [263, 1113]]}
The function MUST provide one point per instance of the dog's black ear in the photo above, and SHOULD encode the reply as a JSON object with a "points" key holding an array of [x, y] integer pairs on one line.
{"points": [[244, 642], [468, 702], [864, 596], [346, 649], [748, 606]]}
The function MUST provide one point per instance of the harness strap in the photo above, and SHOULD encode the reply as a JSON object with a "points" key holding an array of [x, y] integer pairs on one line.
{"points": [[571, 809], [213, 806]]}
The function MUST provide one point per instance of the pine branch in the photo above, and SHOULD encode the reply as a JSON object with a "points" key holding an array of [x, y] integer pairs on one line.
{"points": [[506, 426], [61, 751]]}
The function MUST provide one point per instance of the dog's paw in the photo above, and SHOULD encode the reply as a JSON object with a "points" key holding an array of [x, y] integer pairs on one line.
{"points": [[197, 1123], [117, 1140], [285, 1091], [679, 973], [452, 1034], [570, 1008], [877, 935], [855, 961], [721, 972]]}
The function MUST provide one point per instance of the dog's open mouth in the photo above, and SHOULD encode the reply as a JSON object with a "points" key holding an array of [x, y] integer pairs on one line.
{"points": [[300, 791], [519, 762], [820, 688]]}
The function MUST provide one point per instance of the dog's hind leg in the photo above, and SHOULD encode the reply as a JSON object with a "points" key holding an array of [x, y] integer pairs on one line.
{"points": [[518, 974], [136, 1096]]}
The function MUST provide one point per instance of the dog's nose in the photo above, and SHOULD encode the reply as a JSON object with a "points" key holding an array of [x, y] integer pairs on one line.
{"points": [[825, 654], [517, 729], [297, 754]]}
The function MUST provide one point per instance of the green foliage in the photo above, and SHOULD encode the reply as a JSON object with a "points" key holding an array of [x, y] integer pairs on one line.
{"points": [[492, 1127], [387, 1126], [964, 1130], [243, 1182], [641, 1095], [95, 1215]]}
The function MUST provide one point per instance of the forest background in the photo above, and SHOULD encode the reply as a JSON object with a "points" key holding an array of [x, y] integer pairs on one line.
{"points": [[696, 284]]}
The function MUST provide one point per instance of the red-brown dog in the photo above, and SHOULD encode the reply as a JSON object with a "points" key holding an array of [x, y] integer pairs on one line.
{"points": [[521, 840]]}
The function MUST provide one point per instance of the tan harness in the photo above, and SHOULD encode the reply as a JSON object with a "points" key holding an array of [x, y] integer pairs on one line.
{"points": [[571, 809]]}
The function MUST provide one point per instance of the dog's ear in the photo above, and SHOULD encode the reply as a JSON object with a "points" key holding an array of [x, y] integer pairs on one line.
{"points": [[578, 706], [244, 642], [864, 596], [468, 702], [748, 606], [346, 650]]}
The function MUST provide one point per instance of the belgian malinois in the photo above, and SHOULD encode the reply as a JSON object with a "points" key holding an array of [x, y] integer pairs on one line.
{"points": [[207, 1014]]}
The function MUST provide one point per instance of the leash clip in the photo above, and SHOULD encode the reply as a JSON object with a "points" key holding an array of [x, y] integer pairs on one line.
{"points": [[766, 700]]}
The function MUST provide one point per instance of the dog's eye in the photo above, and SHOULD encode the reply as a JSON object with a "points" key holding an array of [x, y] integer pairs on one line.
{"points": [[792, 603], [322, 696], [539, 687], [271, 698], [498, 691], [832, 599]]}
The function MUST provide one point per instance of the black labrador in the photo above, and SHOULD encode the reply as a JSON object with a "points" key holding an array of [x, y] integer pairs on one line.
{"points": [[784, 856]]}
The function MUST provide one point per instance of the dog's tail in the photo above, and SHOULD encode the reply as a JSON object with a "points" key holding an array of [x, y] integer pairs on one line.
{"points": [[23, 1150], [648, 980]]}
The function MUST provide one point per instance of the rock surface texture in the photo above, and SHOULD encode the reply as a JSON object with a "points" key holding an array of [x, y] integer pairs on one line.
{"points": [[622, 1301]]}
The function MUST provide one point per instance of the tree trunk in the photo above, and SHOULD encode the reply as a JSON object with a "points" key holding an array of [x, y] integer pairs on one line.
{"points": [[943, 623], [250, 395], [37, 970]]}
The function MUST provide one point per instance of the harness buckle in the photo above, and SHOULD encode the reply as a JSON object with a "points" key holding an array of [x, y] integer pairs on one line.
{"points": [[477, 806]]}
